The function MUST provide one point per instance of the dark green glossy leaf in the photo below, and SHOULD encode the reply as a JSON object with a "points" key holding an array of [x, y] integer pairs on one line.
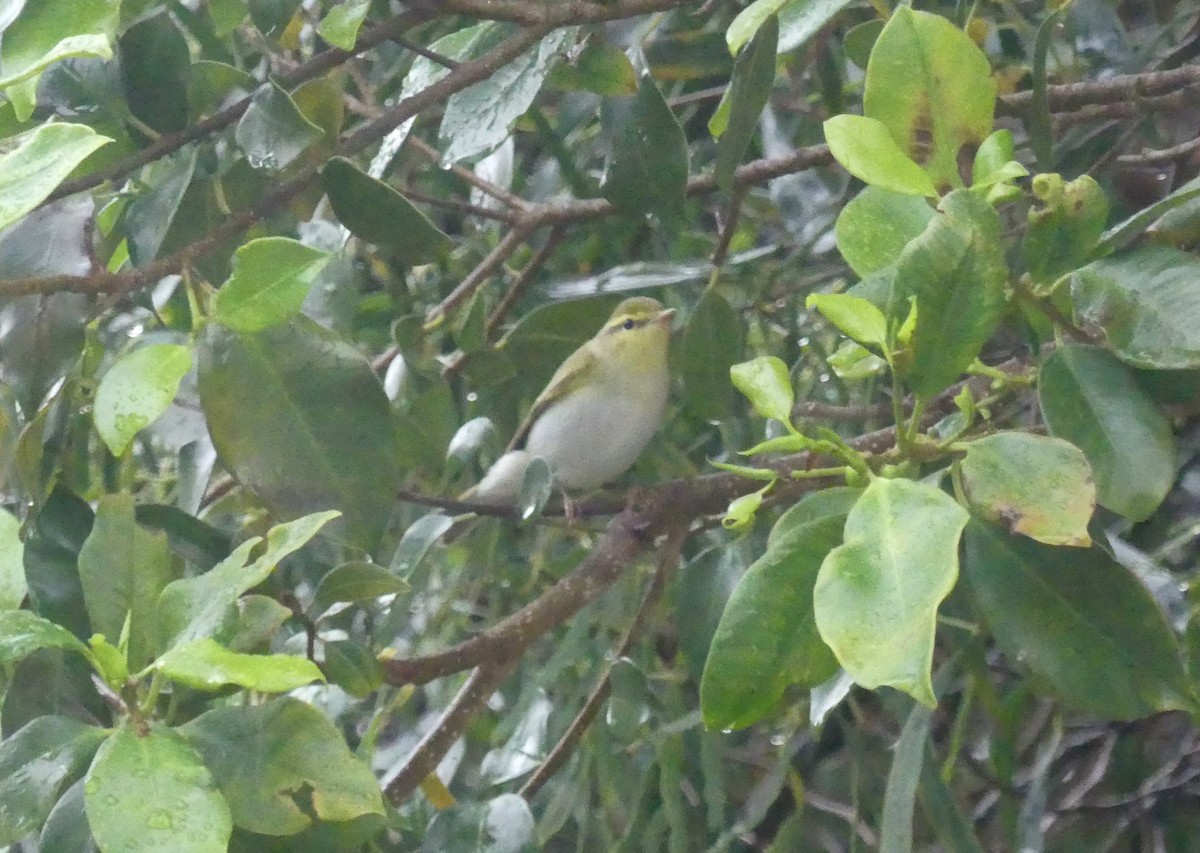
{"points": [[767, 639], [900, 795], [753, 77], [1034, 485], [800, 20], [712, 344], [416, 542], [22, 633], [155, 65], [151, 213], [860, 40], [933, 90], [834, 501], [1064, 229], [1093, 401], [136, 390], [51, 555], [123, 569], [544, 337], [601, 67], [272, 17], [360, 581], [1121, 234], [957, 273], [1080, 621], [877, 595], [1144, 303], [876, 225], [205, 664], [352, 667], [66, 829], [36, 764], [301, 420], [273, 132], [263, 755], [271, 278], [375, 212], [504, 823], [153, 791], [648, 166]]}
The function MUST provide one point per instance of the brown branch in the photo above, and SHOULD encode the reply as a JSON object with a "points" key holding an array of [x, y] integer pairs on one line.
{"points": [[1151, 156], [483, 185], [561, 13], [483, 270], [667, 562], [1122, 88]]}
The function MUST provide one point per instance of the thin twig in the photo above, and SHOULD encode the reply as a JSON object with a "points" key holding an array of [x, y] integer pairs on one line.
{"points": [[482, 184], [1161, 155], [503, 250]]}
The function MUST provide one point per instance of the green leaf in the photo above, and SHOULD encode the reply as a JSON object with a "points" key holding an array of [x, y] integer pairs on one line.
{"points": [[205, 664], [956, 271], [37, 763], [800, 20], [877, 595], [40, 163], [153, 210], [648, 167], [767, 638], [22, 633], [1121, 234], [478, 118], [1064, 230], [1093, 401], [765, 382], [854, 316], [153, 791], [543, 338], [123, 568], [740, 514], [712, 343], [136, 390], [753, 77], [110, 662], [264, 755], [352, 667], [359, 581], [47, 31], [900, 796], [416, 542], [203, 606], [994, 161], [12, 562], [1144, 302], [273, 131], [834, 501], [375, 212], [1080, 621], [868, 151], [299, 418], [601, 68], [1037, 486], [933, 90], [270, 279], [340, 27], [875, 226], [748, 22], [155, 67]]}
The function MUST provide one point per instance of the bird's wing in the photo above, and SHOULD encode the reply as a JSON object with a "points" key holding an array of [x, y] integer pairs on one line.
{"points": [[564, 380]]}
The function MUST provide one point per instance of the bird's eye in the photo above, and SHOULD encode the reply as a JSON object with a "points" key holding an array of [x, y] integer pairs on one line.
{"points": [[628, 324]]}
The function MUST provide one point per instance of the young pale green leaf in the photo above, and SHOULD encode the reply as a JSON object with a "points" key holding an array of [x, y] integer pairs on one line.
{"points": [[748, 22], [1093, 401], [853, 362], [47, 31], [1144, 301], [478, 118], [40, 163], [110, 662], [994, 161], [791, 442], [956, 271], [320, 432], [136, 390], [932, 88], [875, 226], [648, 167], [1037, 486], [741, 511], [1080, 621], [271, 278], [123, 568], [273, 131], [358, 581], [765, 382], [37, 763], [767, 638], [153, 791], [868, 151], [260, 754], [877, 595], [375, 212], [12, 562], [753, 77], [203, 606], [712, 343], [341, 25], [854, 316], [22, 633], [601, 68], [1063, 232], [205, 664]]}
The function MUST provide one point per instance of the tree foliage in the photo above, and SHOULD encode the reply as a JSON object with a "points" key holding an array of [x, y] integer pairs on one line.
{"points": [[910, 566]]}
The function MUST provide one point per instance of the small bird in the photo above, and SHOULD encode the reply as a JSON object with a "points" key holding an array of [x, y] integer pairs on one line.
{"points": [[598, 412]]}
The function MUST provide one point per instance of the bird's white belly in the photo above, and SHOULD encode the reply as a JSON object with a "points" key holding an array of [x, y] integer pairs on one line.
{"points": [[588, 440]]}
